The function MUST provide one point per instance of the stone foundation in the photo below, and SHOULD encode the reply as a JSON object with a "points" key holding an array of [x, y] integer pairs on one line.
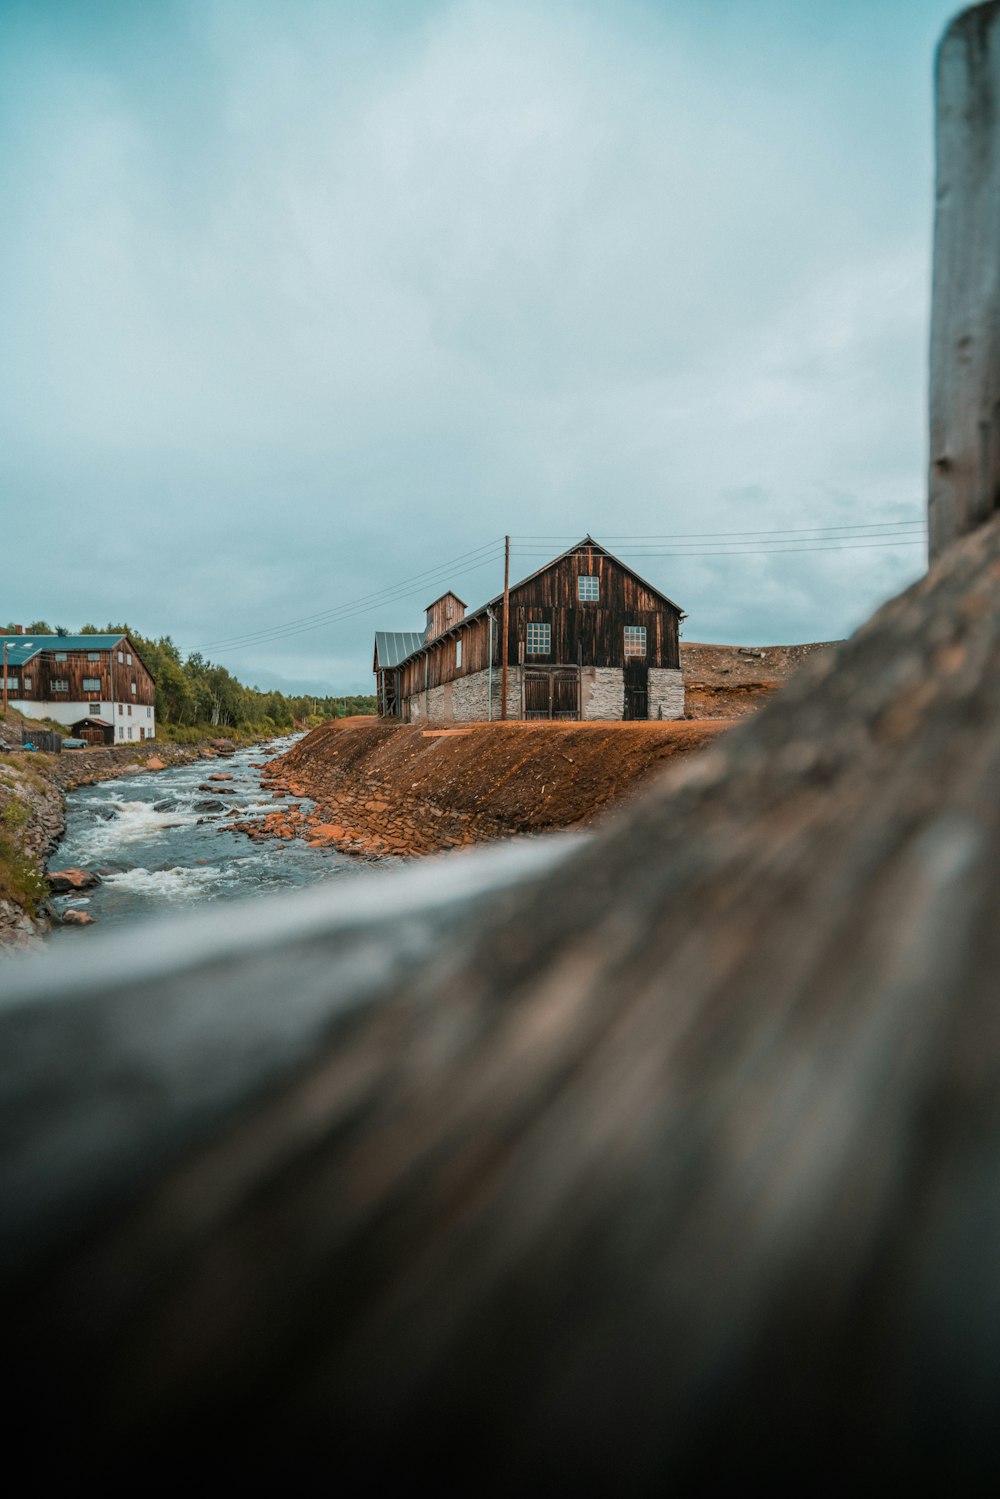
{"points": [[466, 699], [666, 693]]}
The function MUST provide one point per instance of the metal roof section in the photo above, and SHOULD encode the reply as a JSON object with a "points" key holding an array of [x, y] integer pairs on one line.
{"points": [[393, 646], [20, 648]]}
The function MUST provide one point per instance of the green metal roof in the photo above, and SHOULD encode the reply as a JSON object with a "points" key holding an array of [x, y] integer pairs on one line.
{"points": [[22, 648]]}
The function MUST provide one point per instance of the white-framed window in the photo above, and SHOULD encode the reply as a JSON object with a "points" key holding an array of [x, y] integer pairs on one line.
{"points": [[12, 684], [60, 684], [458, 651], [121, 658], [121, 710], [61, 656], [130, 731], [27, 684], [130, 714], [91, 684], [133, 689], [635, 640], [94, 708], [149, 712], [539, 642], [93, 655], [128, 659], [588, 588]]}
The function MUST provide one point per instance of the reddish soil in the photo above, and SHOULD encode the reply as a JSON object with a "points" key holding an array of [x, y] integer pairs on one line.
{"points": [[399, 789]]}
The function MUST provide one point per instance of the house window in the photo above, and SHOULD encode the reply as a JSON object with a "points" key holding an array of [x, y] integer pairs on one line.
{"points": [[635, 640], [94, 708], [539, 640], [130, 710], [27, 684], [128, 659], [133, 689], [588, 589], [121, 710], [61, 656], [130, 731], [91, 684], [60, 684], [93, 655], [149, 712], [12, 684], [458, 653], [121, 658]]}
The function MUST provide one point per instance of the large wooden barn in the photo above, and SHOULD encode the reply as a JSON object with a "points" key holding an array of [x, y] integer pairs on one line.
{"points": [[587, 639], [97, 685]]}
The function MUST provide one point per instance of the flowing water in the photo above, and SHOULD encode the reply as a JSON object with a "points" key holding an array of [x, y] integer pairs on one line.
{"points": [[155, 851]]}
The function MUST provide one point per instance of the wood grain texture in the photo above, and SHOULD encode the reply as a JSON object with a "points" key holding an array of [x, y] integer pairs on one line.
{"points": [[674, 1164]]}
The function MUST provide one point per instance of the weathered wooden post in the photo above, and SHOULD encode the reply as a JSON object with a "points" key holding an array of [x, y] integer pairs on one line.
{"points": [[964, 487]]}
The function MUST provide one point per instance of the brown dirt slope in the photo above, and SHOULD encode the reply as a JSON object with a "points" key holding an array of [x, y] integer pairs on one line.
{"points": [[401, 789], [731, 681]]}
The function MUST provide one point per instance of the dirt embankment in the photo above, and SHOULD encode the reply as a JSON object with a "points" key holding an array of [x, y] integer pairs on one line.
{"points": [[732, 681], [401, 789]]}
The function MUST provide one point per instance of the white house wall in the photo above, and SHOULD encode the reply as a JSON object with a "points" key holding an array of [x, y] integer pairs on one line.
{"points": [[143, 716]]}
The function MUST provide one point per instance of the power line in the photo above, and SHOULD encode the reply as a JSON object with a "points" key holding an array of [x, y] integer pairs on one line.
{"points": [[772, 551], [697, 535], [383, 595]]}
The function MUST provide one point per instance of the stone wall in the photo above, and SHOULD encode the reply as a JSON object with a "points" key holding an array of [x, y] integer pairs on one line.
{"points": [[666, 693], [603, 692], [465, 699]]}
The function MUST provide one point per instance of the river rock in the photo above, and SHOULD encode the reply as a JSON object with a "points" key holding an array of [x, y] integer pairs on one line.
{"points": [[155, 763], [220, 775], [212, 805], [77, 918], [63, 880], [168, 804], [105, 813]]}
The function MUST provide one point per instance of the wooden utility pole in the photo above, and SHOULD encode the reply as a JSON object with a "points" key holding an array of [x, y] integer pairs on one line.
{"points": [[506, 626]]}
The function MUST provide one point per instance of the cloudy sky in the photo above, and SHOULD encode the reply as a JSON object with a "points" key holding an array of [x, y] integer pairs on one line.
{"points": [[303, 305]]}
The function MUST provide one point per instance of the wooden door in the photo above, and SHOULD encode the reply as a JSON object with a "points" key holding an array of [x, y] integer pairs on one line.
{"points": [[636, 690]]}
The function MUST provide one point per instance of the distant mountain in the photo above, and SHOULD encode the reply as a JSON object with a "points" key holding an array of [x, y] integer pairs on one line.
{"points": [[270, 681]]}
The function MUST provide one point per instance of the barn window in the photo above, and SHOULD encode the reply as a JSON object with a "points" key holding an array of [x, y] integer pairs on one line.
{"points": [[128, 659], [12, 684], [133, 684], [91, 684], [588, 588], [539, 640], [635, 640], [121, 658], [458, 652], [60, 684], [60, 656], [27, 684], [93, 655]]}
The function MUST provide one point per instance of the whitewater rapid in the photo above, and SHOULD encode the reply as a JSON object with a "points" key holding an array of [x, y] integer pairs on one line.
{"points": [[155, 850]]}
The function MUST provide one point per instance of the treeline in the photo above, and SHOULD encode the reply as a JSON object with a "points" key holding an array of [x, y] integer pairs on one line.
{"points": [[193, 694]]}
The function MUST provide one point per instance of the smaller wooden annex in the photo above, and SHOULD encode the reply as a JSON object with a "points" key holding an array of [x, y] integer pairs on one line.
{"points": [[587, 639]]}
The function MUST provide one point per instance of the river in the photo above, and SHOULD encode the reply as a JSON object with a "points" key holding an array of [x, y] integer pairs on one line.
{"points": [[155, 851]]}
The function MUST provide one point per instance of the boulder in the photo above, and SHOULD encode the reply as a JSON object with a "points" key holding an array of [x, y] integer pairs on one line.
{"points": [[155, 763], [220, 775], [77, 918], [212, 805], [168, 804], [63, 880]]}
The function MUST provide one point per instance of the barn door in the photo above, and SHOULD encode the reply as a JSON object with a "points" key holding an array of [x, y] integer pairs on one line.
{"points": [[565, 685], [537, 694], [636, 690]]}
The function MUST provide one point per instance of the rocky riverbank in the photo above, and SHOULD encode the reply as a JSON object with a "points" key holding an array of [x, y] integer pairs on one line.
{"points": [[32, 815], [397, 789]]}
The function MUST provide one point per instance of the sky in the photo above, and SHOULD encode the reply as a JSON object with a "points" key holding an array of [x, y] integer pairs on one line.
{"points": [[304, 305]]}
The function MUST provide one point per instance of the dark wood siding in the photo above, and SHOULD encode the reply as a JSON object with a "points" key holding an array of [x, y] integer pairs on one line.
{"points": [[115, 677], [591, 631]]}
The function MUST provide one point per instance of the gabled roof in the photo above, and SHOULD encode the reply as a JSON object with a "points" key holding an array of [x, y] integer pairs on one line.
{"points": [[448, 594], [588, 542], [21, 648], [393, 646]]}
